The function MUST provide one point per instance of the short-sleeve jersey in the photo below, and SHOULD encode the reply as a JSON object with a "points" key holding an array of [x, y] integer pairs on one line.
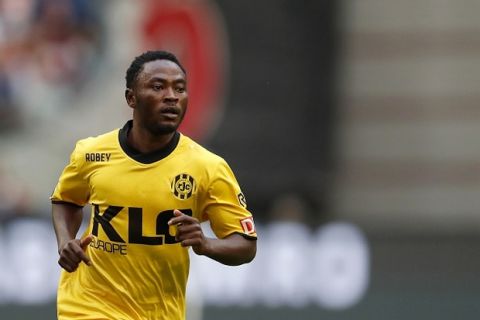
{"points": [[138, 269]]}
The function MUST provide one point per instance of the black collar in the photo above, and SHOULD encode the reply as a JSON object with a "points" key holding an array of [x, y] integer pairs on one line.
{"points": [[145, 158]]}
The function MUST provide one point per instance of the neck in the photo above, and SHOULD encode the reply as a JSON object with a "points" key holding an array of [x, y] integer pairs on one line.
{"points": [[146, 142]]}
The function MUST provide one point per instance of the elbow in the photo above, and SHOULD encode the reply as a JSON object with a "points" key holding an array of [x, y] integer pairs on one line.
{"points": [[250, 252], [244, 256]]}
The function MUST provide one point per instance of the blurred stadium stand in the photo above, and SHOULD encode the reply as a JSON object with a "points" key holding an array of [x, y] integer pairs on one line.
{"points": [[352, 127], [407, 144]]}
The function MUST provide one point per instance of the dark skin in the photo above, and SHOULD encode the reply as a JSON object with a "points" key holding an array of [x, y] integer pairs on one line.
{"points": [[66, 222], [159, 101]]}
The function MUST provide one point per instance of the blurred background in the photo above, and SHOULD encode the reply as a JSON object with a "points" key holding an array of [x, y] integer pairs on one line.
{"points": [[352, 127]]}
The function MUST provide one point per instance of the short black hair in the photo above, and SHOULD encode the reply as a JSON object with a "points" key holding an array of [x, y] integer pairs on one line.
{"points": [[137, 64]]}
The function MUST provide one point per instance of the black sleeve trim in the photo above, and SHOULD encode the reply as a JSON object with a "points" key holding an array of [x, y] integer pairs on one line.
{"points": [[246, 236], [66, 203]]}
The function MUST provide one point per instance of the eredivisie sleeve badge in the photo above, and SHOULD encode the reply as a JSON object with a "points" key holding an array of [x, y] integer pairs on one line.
{"points": [[183, 186], [242, 200]]}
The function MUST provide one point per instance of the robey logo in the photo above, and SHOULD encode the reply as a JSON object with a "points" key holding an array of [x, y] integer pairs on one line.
{"points": [[135, 228]]}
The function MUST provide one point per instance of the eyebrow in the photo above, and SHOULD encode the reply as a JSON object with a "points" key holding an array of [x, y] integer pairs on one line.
{"points": [[180, 80]]}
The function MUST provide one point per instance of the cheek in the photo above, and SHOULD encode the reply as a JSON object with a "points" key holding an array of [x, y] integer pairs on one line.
{"points": [[148, 102], [184, 103]]}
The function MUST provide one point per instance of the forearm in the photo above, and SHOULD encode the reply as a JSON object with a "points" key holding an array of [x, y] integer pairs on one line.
{"points": [[66, 221], [233, 250]]}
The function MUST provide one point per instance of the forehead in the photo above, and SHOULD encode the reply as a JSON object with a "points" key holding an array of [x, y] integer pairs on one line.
{"points": [[164, 69]]}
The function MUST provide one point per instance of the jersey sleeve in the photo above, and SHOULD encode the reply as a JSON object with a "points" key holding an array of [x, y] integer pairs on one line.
{"points": [[72, 187], [225, 205]]}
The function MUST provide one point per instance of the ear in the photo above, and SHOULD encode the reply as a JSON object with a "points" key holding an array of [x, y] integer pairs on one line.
{"points": [[130, 97]]}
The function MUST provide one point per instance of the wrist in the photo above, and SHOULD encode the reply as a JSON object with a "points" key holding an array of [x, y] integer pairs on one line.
{"points": [[205, 249], [62, 243]]}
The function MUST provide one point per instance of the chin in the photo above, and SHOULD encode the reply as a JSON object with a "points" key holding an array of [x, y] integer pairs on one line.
{"points": [[163, 129]]}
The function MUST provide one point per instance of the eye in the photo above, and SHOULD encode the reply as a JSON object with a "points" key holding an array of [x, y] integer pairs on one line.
{"points": [[157, 86], [180, 89]]}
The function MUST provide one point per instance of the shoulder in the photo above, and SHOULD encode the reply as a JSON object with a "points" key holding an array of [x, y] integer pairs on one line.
{"points": [[101, 147], [104, 141], [211, 164], [199, 152]]}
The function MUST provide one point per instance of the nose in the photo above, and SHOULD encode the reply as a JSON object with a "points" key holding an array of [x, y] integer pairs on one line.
{"points": [[170, 94]]}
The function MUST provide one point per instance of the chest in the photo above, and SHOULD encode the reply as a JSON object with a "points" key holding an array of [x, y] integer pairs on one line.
{"points": [[133, 203]]}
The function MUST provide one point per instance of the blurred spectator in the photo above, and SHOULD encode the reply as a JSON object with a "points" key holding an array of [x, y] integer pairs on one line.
{"points": [[14, 17], [63, 39], [47, 47], [8, 110], [14, 199]]}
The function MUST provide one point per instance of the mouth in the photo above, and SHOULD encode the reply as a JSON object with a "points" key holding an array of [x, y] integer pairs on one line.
{"points": [[170, 112]]}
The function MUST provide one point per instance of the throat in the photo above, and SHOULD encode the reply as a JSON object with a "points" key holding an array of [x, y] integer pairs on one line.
{"points": [[147, 143]]}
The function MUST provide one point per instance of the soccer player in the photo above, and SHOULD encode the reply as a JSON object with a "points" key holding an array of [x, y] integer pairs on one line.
{"points": [[149, 187]]}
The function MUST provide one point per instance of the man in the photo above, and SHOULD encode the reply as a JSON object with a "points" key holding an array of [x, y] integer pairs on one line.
{"points": [[149, 187]]}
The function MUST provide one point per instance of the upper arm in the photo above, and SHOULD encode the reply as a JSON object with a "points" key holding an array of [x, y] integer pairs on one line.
{"points": [[225, 205], [67, 219], [72, 186]]}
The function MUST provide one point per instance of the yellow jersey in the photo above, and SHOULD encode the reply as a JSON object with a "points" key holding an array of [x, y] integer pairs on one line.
{"points": [[138, 269]]}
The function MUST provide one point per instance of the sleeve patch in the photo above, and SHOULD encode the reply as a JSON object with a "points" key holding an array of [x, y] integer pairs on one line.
{"points": [[242, 200], [248, 225]]}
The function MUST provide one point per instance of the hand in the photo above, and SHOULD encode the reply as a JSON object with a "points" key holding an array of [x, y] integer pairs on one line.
{"points": [[189, 232], [72, 253]]}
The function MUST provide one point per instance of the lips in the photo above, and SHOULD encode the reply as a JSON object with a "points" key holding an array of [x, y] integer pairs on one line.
{"points": [[170, 112]]}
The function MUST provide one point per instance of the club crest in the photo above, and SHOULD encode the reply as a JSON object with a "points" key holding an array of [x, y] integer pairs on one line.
{"points": [[183, 186]]}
